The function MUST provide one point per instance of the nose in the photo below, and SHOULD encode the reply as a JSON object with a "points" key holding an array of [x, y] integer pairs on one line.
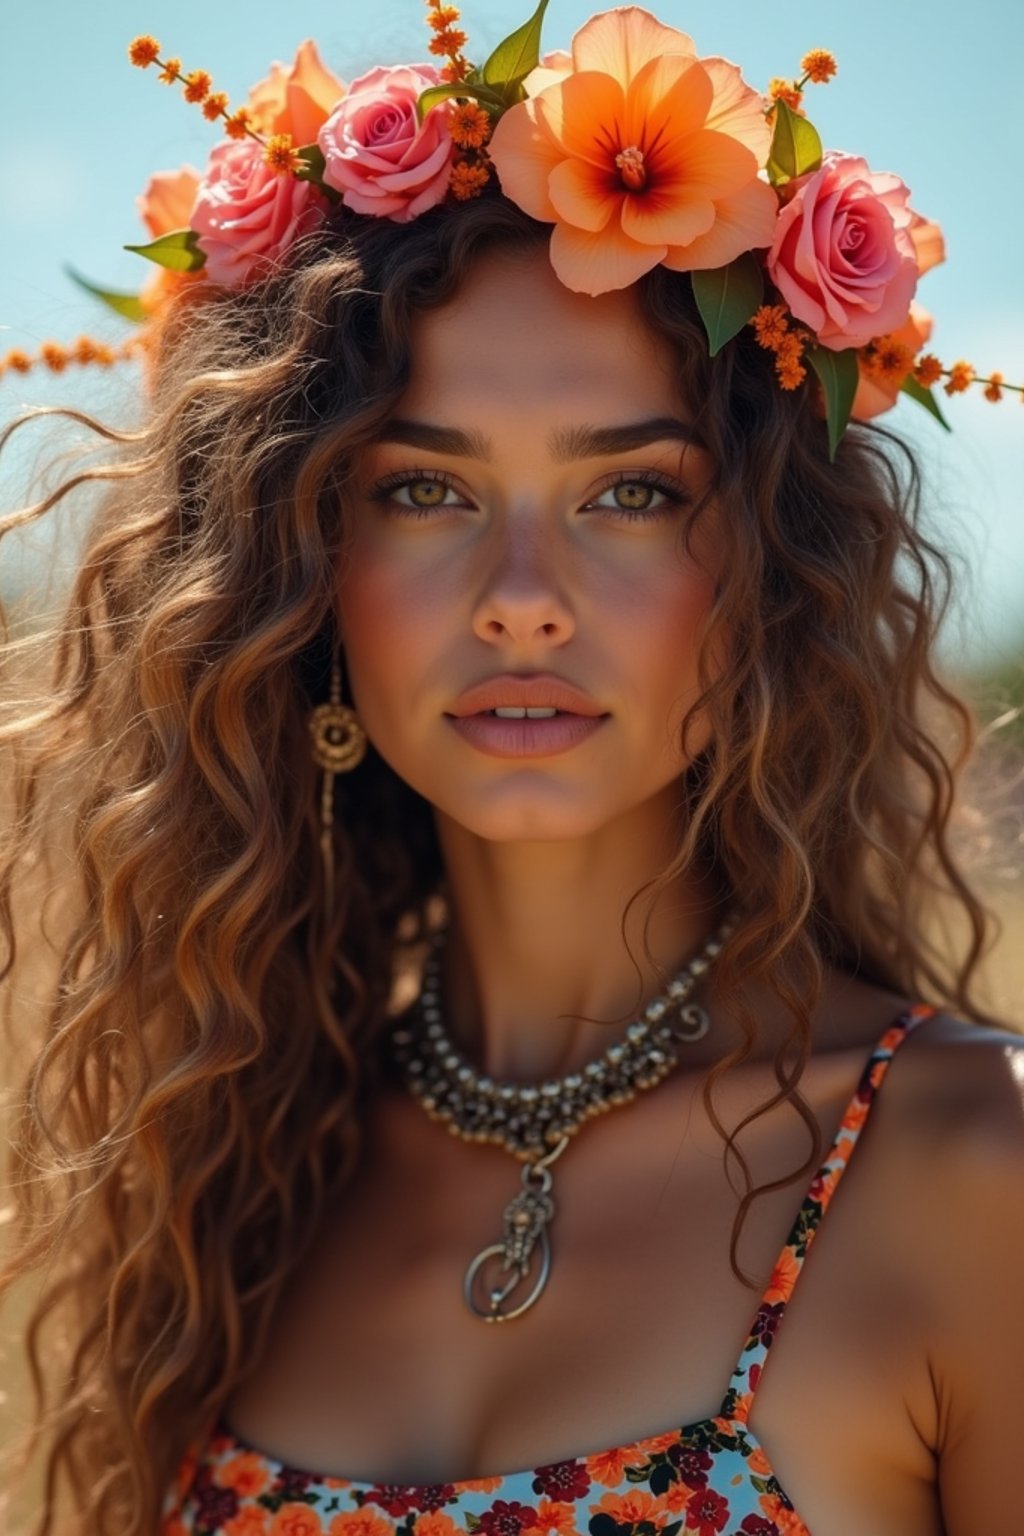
{"points": [[523, 593]]}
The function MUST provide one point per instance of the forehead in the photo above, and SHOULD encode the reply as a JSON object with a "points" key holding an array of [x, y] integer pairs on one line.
{"points": [[515, 332]]}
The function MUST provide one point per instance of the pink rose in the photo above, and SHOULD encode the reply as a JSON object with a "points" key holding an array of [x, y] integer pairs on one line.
{"points": [[843, 256], [377, 155], [247, 215]]}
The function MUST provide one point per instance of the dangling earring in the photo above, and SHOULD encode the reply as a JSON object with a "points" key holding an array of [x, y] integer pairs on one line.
{"points": [[338, 744]]}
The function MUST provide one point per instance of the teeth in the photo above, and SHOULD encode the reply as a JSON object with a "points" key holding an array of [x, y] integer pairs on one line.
{"points": [[512, 712]]}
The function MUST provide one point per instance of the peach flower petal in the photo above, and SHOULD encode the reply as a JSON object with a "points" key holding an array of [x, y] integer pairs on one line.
{"points": [[594, 263], [669, 98], [581, 115], [297, 98], [620, 42], [674, 223], [737, 109], [929, 242], [710, 164], [553, 66], [167, 199], [743, 222], [525, 158], [582, 195]]}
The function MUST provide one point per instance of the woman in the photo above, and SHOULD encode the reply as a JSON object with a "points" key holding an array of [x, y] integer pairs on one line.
{"points": [[411, 466]]}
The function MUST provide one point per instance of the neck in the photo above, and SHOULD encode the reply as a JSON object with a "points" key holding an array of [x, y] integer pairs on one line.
{"points": [[536, 978]]}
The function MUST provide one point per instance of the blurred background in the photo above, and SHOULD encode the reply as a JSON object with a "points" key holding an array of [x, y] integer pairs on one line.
{"points": [[921, 90]]}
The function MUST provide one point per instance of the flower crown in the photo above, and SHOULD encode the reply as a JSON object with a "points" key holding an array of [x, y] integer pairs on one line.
{"points": [[635, 150]]}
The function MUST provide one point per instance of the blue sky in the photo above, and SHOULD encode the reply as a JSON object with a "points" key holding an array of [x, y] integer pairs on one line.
{"points": [[928, 91]]}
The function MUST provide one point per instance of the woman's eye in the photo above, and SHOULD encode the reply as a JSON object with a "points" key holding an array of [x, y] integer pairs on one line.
{"points": [[636, 490], [632, 493], [435, 484]]}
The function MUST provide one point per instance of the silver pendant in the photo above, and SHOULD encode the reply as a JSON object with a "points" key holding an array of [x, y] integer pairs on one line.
{"points": [[525, 1223]]}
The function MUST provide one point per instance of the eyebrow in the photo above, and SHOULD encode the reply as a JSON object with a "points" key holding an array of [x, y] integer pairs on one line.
{"points": [[565, 445]]}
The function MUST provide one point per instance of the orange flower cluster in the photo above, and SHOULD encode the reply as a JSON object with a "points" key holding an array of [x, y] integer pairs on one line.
{"points": [[928, 371], [817, 67], [281, 154], [448, 40], [888, 360], [197, 87], [56, 357], [469, 124], [773, 332], [959, 378], [468, 180], [780, 89]]}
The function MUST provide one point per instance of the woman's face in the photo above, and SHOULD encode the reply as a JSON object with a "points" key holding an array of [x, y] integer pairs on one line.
{"points": [[512, 552]]}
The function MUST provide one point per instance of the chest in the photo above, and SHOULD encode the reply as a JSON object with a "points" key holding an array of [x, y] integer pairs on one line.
{"points": [[375, 1369]]}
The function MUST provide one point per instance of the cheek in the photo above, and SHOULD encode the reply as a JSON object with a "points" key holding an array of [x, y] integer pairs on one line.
{"points": [[663, 652], [388, 615]]}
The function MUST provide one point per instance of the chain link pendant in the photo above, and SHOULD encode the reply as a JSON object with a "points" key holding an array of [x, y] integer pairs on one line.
{"points": [[525, 1224]]}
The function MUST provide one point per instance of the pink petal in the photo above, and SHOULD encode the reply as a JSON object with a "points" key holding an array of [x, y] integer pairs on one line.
{"points": [[598, 262], [400, 181], [582, 195], [620, 42], [524, 158], [744, 221], [582, 114], [737, 109]]}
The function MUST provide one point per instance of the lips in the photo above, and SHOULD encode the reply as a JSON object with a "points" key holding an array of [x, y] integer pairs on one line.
{"points": [[535, 690]]}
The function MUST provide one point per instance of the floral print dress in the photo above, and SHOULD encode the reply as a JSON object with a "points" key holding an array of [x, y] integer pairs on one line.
{"points": [[712, 1478]]}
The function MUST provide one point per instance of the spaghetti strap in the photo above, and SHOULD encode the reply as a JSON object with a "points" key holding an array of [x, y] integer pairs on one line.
{"points": [[739, 1398]]}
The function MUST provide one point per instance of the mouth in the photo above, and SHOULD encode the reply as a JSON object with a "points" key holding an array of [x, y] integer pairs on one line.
{"points": [[525, 733], [511, 713]]}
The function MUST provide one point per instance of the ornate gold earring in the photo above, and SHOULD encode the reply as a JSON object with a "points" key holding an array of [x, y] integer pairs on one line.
{"points": [[338, 744]]}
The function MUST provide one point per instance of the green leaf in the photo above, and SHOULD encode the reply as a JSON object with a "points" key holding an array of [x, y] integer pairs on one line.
{"points": [[925, 397], [313, 163], [727, 297], [176, 250], [839, 374], [514, 58], [486, 95], [796, 147], [127, 304]]}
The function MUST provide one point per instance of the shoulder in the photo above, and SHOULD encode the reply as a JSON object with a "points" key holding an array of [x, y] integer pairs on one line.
{"points": [[964, 1083], [955, 1144], [953, 1106], [959, 1097]]}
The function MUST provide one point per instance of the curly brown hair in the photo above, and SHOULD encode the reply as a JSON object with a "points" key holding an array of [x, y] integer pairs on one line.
{"points": [[194, 1089]]}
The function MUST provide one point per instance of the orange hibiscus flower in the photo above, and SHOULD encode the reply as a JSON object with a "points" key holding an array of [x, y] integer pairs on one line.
{"points": [[641, 153]]}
